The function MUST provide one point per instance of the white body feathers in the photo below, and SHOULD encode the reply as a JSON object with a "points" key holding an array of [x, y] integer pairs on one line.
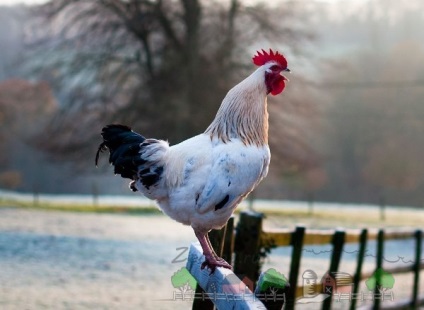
{"points": [[200, 173], [205, 177]]}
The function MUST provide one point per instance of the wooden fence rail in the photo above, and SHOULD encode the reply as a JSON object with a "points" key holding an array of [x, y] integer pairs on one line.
{"points": [[251, 243]]}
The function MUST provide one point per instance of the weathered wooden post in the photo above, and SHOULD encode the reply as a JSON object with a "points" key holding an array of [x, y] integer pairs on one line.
{"points": [[382, 208], [311, 200], [379, 265], [35, 195], [247, 247], [338, 243], [297, 244], [95, 194], [222, 240], [360, 260], [416, 268]]}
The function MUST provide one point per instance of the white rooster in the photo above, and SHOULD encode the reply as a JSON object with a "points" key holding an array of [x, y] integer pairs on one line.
{"points": [[200, 181]]}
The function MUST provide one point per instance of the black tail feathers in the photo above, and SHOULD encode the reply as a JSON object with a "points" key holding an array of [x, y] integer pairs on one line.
{"points": [[124, 146]]}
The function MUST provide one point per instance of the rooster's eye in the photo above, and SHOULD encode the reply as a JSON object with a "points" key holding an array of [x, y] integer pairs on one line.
{"points": [[275, 68]]}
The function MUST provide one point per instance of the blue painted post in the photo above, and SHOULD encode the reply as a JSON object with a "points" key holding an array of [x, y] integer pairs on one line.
{"points": [[222, 287]]}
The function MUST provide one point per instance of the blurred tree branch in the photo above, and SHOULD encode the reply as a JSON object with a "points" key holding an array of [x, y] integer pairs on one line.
{"points": [[161, 66]]}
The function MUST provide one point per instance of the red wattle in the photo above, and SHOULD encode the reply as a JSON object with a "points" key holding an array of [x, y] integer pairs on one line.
{"points": [[278, 86]]}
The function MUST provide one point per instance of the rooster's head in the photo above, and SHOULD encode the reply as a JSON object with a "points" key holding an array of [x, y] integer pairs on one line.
{"points": [[273, 63]]}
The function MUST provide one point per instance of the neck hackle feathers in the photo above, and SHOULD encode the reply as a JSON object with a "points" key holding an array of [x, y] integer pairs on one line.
{"points": [[262, 58], [243, 113]]}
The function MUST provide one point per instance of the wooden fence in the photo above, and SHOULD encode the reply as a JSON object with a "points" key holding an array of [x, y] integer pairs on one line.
{"points": [[248, 243]]}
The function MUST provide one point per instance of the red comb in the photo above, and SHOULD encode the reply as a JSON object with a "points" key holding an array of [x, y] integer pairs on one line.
{"points": [[262, 58]]}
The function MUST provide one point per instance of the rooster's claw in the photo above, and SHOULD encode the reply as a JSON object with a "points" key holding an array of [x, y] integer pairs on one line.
{"points": [[212, 262]]}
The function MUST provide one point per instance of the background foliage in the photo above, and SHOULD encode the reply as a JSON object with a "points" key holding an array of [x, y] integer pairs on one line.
{"points": [[348, 128]]}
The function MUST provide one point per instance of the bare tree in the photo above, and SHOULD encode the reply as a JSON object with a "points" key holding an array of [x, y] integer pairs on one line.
{"points": [[161, 66]]}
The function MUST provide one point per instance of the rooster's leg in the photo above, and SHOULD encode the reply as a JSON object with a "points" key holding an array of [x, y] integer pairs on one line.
{"points": [[212, 260], [213, 251]]}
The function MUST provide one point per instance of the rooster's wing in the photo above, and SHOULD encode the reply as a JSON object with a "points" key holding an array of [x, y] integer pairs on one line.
{"points": [[235, 172]]}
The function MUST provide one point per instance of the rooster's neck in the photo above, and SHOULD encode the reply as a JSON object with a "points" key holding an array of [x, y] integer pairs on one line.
{"points": [[243, 113]]}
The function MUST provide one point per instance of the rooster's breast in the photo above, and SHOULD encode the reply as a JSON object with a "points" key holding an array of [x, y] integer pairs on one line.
{"points": [[207, 178]]}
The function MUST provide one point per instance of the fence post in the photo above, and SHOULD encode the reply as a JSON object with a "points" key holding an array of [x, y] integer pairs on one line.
{"points": [[417, 266], [297, 243], [338, 243], [95, 194], [247, 245], [382, 208], [35, 195], [228, 241], [222, 241], [360, 260], [379, 264], [311, 200]]}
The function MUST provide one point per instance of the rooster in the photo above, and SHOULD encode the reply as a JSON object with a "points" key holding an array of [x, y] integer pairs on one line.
{"points": [[200, 181]]}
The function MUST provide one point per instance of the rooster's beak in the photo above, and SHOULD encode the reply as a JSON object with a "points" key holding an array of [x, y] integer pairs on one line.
{"points": [[286, 70]]}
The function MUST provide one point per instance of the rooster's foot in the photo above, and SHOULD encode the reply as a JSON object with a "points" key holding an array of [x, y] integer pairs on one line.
{"points": [[212, 262]]}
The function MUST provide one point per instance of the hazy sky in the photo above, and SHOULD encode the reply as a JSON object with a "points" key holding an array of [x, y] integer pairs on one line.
{"points": [[10, 2]]}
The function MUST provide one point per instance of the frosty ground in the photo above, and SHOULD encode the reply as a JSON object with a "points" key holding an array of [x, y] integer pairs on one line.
{"points": [[67, 260]]}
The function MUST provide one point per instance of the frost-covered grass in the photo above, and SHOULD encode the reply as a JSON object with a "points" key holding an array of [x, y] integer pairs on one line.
{"points": [[79, 203], [68, 260], [81, 207], [99, 258], [280, 213]]}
